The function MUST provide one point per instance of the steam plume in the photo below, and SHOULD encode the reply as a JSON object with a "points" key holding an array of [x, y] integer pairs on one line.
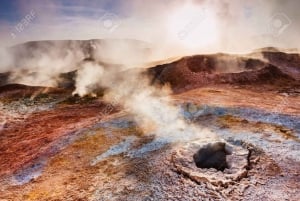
{"points": [[151, 106]]}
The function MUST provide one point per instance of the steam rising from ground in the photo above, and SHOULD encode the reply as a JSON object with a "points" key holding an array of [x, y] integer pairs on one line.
{"points": [[151, 106], [41, 63], [112, 65]]}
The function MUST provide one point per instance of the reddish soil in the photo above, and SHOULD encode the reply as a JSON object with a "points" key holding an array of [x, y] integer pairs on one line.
{"points": [[24, 141], [206, 70]]}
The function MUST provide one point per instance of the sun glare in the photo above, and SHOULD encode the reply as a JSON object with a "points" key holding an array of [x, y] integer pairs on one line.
{"points": [[193, 26]]}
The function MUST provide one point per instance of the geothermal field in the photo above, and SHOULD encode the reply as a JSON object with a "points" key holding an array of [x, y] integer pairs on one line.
{"points": [[121, 119]]}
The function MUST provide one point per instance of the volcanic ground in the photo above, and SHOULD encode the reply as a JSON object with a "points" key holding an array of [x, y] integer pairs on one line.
{"points": [[56, 146]]}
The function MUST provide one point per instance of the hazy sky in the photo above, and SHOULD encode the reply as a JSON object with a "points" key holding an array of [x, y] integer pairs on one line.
{"points": [[213, 25]]}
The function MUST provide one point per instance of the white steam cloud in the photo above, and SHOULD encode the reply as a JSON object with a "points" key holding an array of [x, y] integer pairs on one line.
{"points": [[6, 60], [87, 79], [208, 25], [152, 107]]}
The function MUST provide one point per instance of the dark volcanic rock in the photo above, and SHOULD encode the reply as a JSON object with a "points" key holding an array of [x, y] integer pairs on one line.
{"points": [[202, 63]]}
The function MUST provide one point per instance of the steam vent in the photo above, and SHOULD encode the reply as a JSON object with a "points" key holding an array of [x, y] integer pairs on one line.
{"points": [[212, 155], [218, 163]]}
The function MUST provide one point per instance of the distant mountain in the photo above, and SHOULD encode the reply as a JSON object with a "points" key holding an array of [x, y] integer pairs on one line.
{"points": [[276, 49], [102, 50]]}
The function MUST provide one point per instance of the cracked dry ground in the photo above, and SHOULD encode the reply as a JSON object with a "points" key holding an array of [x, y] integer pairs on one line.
{"points": [[71, 151]]}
